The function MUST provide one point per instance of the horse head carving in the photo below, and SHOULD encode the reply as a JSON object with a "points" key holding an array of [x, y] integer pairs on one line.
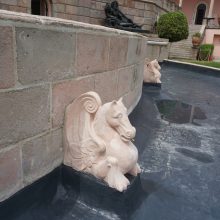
{"points": [[97, 140], [152, 72]]}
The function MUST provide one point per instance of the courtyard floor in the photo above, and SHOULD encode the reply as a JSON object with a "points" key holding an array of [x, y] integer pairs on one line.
{"points": [[179, 155]]}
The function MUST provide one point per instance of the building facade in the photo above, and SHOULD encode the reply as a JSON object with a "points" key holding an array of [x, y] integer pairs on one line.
{"points": [[204, 12], [197, 11]]}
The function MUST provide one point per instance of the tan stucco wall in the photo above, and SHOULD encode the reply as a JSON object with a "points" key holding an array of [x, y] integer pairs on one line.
{"points": [[212, 36], [189, 8]]}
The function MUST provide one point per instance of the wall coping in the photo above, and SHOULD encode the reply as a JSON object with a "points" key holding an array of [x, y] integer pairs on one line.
{"points": [[160, 43], [192, 64]]}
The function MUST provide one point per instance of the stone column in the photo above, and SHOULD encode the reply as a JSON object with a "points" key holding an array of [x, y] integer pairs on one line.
{"points": [[180, 3], [211, 8]]}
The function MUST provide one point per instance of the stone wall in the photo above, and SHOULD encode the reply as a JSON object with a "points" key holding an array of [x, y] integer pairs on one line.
{"points": [[45, 63], [143, 12], [16, 5], [157, 48]]}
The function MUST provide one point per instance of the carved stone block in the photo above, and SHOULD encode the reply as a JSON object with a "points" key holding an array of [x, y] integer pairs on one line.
{"points": [[152, 72], [97, 140]]}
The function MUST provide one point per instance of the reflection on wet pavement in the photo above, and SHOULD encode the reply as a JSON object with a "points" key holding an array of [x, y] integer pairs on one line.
{"points": [[178, 112], [180, 163]]}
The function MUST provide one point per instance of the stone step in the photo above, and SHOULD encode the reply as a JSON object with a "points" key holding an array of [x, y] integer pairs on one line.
{"points": [[185, 54], [181, 48], [180, 56], [177, 54], [188, 46], [181, 45], [192, 54]]}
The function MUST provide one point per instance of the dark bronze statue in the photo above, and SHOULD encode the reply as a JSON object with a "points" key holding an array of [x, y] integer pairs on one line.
{"points": [[116, 19]]}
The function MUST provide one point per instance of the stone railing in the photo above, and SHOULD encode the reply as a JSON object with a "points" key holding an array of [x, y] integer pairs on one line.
{"points": [[45, 63]]}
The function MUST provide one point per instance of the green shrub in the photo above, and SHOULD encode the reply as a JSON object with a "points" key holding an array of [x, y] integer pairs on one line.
{"points": [[209, 47], [173, 26], [205, 52]]}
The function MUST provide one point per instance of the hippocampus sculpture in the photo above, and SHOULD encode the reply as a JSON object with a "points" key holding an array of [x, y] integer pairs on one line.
{"points": [[97, 140], [152, 71]]}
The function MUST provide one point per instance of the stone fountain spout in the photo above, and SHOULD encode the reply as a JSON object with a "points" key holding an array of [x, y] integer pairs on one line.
{"points": [[152, 72], [97, 140]]}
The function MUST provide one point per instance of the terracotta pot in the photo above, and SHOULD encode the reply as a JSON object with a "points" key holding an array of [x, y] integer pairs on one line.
{"points": [[196, 41]]}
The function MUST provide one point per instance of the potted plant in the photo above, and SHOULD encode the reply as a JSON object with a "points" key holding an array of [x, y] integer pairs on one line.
{"points": [[196, 39], [205, 52]]}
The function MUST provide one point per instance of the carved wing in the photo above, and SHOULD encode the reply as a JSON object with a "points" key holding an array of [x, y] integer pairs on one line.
{"points": [[81, 144]]}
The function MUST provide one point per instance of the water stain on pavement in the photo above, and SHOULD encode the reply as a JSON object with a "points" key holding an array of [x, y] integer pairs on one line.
{"points": [[200, 156], [179, 112]]}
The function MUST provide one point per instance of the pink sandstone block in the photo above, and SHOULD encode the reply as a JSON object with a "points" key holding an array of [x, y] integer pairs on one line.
{"points": [[17, 9], [106, 86], [64, 93], [100, 6], [97, 14], [125, 80], [120, 2], [23, 113], [71, 9], [83, 19], [71, 17], [62, 1], [10, 172], [139, 20], [70, 2], [130, 3], [41, 155], [44, 55], [7, 78], [83, 11], [139, 5], [144, 52], [132, 97], [23, 3], [96, 21], [84, 3], [9, 2], [118, 52], [59, 8], [134, 50], [140, 74], [92, 53]]}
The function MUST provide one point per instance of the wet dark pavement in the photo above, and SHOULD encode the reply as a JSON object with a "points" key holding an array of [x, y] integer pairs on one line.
{"points": [[180, 163], [183, 158]]}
